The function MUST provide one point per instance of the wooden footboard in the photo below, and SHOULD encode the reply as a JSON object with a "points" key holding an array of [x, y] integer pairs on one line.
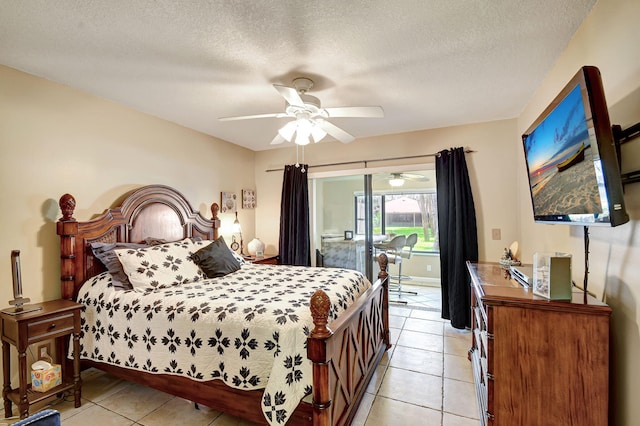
{"points": [[344, 354]]}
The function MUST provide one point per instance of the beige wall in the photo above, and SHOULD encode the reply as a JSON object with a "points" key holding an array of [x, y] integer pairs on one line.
{"points": [[55, 140], [607, 39]]}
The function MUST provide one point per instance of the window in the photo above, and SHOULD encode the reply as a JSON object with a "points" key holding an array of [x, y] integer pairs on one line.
{"points": [[403, 214]]}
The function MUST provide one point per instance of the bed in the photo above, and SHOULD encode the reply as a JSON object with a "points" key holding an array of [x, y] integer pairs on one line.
{"points": [[344, 342]]}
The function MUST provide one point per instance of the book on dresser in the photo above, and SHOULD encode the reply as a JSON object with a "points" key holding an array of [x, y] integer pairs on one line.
{"points": [[537, 361]]}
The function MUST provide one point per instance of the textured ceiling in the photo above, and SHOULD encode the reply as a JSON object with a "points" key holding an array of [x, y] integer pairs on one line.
{"points": [[427, 63]]}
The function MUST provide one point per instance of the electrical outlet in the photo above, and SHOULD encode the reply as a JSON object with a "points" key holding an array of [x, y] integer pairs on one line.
{"points": [[428, 268], [495, 234], [44, 350]]}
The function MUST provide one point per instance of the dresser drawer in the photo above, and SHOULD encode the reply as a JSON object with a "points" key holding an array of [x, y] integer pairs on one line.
{"points": [[49, 328]]}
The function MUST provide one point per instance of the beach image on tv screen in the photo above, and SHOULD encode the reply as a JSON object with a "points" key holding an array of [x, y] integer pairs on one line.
{"points": [[561, 162]]}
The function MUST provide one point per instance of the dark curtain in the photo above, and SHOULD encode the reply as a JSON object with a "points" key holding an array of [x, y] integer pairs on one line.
{"points": [[294, 244], [457, 233]]}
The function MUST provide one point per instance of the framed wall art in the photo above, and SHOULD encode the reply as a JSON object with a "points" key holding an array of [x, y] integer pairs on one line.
{"points": [[228, 202], [248, 199]]}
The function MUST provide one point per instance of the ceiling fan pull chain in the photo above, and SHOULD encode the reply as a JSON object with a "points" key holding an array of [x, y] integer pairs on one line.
{"points": [[303, 170], [297, 162]]}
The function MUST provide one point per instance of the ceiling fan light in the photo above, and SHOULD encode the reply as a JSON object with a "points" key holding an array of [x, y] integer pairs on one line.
{"points": [[303, 133], [288, 130], [302, 140], [317, 133], [396, 181], [304, 123]]}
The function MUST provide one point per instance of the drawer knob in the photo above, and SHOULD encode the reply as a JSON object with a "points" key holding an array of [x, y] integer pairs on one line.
{"points": [[52, 326]]}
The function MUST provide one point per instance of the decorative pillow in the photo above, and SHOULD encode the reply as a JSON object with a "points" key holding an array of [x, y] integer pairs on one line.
{"points": [[153, 241], [216, 260], [204, 243], [160, 266], [105, 252]]}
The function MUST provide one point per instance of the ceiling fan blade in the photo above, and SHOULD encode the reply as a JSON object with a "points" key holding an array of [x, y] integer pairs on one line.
{"points": [[290, 95], [414, 176], [278, 140], [247, 117], [335, 131], [362, 112]]}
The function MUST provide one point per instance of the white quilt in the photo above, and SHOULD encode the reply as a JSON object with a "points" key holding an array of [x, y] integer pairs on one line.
{"points": [[248, 328]]}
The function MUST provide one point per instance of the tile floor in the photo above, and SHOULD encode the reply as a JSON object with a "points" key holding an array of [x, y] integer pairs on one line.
{"points": [[424, 379]]}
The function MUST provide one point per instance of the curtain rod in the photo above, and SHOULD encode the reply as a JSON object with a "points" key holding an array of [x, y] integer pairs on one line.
{"points": [[344, 163]]}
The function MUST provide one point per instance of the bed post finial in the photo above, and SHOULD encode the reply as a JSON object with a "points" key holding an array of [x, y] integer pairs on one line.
{"points": [[383, 261], [67, 204], [215, 208], [67, 229], [320, 305]]}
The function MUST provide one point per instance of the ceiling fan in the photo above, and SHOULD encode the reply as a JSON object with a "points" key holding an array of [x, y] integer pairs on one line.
{"points": [[398, 179], [310, 118]]}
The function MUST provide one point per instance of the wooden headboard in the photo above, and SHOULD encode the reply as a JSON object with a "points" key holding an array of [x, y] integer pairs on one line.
{"points": [[154, 211]]}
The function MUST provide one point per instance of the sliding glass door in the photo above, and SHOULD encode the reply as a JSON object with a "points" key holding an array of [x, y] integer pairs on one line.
{"points": [[353, 213], [336, 241]]}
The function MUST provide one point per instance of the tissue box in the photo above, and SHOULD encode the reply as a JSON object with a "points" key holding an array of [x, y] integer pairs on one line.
{"points": [[43, 380], [552, 275]]}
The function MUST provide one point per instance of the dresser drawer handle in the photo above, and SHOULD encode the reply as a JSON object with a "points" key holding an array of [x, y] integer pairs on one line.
{"points": [[52, 326]]}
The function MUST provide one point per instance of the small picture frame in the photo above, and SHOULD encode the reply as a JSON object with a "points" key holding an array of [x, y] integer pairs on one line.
{"points": [[259, 253], [348, 235], [228, 202], [248, 199]]}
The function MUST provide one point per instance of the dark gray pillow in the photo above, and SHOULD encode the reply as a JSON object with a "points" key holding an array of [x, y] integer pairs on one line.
{"points": [[152, 241], [216, 259], [105, 252]]}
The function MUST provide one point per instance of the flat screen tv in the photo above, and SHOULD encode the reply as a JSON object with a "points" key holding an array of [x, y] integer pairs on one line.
{"points": [[572, 166]]}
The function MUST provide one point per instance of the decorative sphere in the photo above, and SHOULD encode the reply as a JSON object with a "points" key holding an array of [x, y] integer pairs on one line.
{"points": [[255, 246]]}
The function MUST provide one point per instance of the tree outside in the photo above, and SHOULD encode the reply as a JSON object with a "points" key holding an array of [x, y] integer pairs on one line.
{"points": [[406, 214]]}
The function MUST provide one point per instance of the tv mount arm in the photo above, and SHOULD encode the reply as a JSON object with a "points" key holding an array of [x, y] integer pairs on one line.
{"points": [[620, 137]]}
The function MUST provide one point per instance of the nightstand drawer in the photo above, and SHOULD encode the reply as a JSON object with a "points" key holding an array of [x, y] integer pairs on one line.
{"points": [[50, 327]]}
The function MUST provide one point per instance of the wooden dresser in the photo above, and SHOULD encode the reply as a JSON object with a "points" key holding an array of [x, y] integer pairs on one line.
{"points": [[535, 361]]}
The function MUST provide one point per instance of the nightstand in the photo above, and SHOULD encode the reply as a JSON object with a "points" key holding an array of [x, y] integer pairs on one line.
{"points": [[57, 319], [267, 259]]}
